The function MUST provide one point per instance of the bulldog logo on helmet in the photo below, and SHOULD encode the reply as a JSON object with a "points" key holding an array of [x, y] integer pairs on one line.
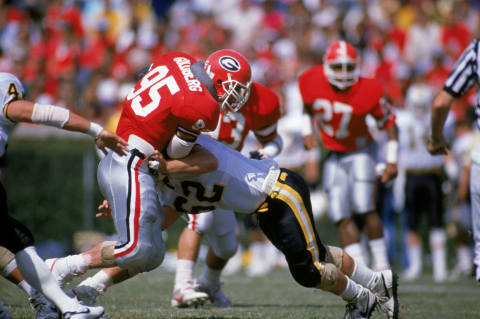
{"points": [[230, 64]]}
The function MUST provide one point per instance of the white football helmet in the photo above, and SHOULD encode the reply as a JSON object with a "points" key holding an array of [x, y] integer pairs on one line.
{"points": [[231, 75], [341, 65]]}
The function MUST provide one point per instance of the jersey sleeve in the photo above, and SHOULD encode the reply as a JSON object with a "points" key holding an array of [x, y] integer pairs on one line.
{"points": [[11, 89], [268, 114], [463, 75], [304, 85]]}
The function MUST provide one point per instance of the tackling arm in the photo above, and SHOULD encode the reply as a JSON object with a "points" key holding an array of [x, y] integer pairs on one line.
{"points": [[26, 111], [199, 161], [437, 144], [309, 140]]}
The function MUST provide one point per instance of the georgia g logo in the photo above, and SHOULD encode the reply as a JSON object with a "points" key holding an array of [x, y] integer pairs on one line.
{"points": [[229, 63]]}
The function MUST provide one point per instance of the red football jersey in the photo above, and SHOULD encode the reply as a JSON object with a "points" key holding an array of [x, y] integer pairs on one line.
{"points": [[340, 116], [166, 97], [261, 110]]}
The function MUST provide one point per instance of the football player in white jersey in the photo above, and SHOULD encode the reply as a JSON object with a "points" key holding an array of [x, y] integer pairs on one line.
{"points": [[281, 200], [15, 236]]}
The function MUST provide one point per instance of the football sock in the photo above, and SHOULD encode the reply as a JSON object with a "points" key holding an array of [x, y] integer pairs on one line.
{"points": [[26, 287], [414, 253], [378, 250], [464, 257], [184, 271], [364, 276], [100, 281], [352, 290], [439, 254], [355, 251], [36, 273], [76, 263]]}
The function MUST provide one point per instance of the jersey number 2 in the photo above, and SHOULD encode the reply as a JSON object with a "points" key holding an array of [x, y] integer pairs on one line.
{"points": [[327, 110], [153, 81]]}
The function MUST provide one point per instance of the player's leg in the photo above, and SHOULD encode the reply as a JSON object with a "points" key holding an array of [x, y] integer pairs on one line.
{"points": [[361, 172], [43, 307], [184, 294], [223, 242], [475, 199], [17, 238], [413, 209], [336, 185], [437, 235], [288, 223]]}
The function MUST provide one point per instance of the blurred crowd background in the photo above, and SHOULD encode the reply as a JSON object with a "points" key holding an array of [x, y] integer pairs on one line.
{"points": [[86, 54]]}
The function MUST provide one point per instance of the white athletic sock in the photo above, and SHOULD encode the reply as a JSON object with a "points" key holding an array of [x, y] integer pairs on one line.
{"points": [[439, 254], [184, 272], [365, 276], [378, 250], [25, 286], [100, 281], [414, 253], [464, 257], [355, 251], [37, 274], [351, 291], [75, 263], [211, 276]]}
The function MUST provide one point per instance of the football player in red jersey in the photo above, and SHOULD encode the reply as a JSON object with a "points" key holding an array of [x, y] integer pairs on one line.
{"points": [[166, 110], [338, 101], [259, 112]]}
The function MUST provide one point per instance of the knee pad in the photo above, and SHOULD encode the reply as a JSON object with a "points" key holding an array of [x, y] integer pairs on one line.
{"points": [[334, 256], [7, 262], [107, 253], [305, 274], [224, 246], [329, 277]]}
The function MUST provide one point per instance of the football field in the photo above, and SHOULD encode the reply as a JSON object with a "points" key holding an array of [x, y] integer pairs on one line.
{"points": [[274, 296]]}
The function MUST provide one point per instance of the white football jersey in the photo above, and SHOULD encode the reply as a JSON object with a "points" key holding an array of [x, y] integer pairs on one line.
{"points": [[10, 89], [239, 184]]}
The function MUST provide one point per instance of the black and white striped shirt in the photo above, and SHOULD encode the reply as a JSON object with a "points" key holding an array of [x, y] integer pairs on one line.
{"points": [[464, 75]]}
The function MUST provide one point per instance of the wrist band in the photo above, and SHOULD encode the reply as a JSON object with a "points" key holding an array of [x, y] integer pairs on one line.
{"points": [[391, 151], [94, 130]]}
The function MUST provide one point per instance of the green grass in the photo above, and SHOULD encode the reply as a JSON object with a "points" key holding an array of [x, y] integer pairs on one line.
{"points": [[274, 296]]}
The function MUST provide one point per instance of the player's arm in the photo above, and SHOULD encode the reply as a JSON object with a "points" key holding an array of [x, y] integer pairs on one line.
{"points": [[309, 140], [440, 107], [271, 142], [391, 154], [199, 161], [181, 143], [385, 118], [26, 111]]}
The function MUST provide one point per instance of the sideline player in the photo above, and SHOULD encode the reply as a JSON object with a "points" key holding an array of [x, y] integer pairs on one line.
{"points": [[281, 200], [14, 235], [338, 100], [253, 107], [166, 111], [462, 78]]}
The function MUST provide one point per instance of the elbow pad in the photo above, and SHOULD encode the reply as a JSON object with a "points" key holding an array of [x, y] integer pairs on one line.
{"points": [[179, 148], [50, 115]]}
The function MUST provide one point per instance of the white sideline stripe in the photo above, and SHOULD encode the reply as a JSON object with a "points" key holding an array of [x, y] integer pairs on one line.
{"points": [[437, 289]]}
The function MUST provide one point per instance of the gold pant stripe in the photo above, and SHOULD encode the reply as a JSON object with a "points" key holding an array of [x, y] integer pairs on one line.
{"points": [[295, 202]]}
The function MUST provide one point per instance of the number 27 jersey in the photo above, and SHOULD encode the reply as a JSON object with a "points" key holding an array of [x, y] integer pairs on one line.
{"points": [[341, 116], [168, 96]]}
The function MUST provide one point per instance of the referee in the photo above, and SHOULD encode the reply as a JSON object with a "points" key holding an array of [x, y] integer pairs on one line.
{"points": [[462, 78]]}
